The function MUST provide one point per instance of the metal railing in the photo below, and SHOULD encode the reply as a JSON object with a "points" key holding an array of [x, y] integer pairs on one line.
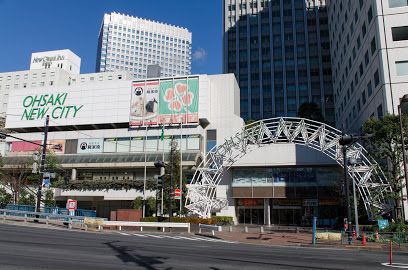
{"points": [[162, 225], [52, 210], [212, 228], [47, 218]]}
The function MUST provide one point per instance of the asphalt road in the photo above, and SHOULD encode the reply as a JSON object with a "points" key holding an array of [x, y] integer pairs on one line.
{"points": [[38, 248]]}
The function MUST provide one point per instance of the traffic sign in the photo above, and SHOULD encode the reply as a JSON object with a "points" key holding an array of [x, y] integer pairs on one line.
{"points": [[46, 182], [71, 204], [177, 193]]}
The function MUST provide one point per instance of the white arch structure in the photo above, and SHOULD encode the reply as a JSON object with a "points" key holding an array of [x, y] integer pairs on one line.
{"points": [[372, 185]]}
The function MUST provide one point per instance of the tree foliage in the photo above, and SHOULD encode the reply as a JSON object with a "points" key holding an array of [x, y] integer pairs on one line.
{"points": [[386, 148], [173, 169], [92, 185], [311, 110]]}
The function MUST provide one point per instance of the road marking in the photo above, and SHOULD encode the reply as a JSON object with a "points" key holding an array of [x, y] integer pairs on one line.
{"points": [[172, 237], [396, 265], [141, 235], [155, 236], [188, 238], [215, 240], [122, 233]]}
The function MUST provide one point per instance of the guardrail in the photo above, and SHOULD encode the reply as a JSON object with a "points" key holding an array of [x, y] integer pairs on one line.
{"points": [[51, 210], [47, 218], [212, 228], [162, 225]]}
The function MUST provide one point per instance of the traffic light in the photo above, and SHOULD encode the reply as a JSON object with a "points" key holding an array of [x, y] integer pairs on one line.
{"points": [[160, 179]]}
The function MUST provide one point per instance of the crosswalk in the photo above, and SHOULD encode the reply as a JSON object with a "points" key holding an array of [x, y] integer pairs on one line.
{"points": [[177, 237]]}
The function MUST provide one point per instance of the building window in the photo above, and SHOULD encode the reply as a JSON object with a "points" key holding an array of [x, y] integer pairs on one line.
{"points": [[369, 89], [402, 68], [399, 33], [376, 78], [380, 111], [373, 46], [211, 139], [370, 14], [398, 3]]}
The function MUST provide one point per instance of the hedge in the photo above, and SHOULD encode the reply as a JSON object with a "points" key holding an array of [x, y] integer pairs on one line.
{"points": [[218, 220]]}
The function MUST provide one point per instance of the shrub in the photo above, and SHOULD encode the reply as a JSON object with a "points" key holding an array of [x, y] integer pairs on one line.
{"points": [[219, 220], [223, 220]]}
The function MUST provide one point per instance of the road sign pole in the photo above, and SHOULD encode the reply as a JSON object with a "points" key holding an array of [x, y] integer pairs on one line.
{"points": [[42, 166]]}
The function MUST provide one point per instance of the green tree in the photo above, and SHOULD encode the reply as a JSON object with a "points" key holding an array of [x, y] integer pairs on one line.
{"points": [[15, 178], [385, 147], [137, 203], [311, 110], [49, 200], [173, 169], [5, 197]]}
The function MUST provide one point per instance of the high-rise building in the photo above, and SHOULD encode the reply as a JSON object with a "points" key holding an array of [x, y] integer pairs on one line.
{"points": [[280, 54], [369, 43], [131, 44]]}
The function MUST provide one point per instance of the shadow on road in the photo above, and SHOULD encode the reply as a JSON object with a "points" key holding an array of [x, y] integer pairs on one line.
{"points": [[125, 255]]}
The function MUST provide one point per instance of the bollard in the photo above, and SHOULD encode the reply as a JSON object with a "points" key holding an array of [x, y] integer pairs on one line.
{"points": [[213, 233], [230, 228], [164, 229], [120, 228], [246, 229], [25, 217], [141, 228], [363, 239], [314, 231], [199, 230], [261, 230], [390, 256]]}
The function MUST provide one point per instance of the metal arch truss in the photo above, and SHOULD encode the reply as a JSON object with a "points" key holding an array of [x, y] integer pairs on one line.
{"points": [[372, 185]]}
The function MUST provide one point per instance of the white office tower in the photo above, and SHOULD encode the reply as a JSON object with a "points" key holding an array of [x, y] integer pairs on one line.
{"points": [[132, 44], [369, 49]]}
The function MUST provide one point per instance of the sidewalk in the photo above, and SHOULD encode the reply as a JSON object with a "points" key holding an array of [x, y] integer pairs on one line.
{"points": [[300, 240]]}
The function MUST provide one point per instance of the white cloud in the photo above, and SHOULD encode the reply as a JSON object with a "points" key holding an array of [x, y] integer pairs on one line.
{"points": [[200, 55]]}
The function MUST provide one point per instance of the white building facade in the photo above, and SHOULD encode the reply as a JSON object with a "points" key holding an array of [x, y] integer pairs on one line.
{"points": [[132, 44], [369, 49]]}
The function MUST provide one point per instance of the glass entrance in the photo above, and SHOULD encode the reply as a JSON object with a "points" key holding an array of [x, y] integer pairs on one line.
{"points": [[250, 215]]}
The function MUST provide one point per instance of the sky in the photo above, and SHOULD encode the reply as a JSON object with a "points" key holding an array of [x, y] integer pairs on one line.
{"points": [[28, 26]]}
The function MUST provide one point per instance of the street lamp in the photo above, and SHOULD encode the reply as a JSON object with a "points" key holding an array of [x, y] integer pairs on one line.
{"points": [[401, 108], [345, 141]]}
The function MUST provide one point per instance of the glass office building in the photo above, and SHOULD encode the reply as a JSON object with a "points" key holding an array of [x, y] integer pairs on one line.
{"points": [[132, 44], [279, 51]]}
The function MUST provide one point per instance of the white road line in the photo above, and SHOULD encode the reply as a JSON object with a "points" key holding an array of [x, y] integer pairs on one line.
{"points": [[188, 238], [122, 233], [171, 237], [215, 240], [396, 265], [155, 236], [141, 235]]}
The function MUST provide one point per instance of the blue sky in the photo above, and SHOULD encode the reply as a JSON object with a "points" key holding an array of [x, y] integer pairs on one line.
{"points": [[28, 26]]}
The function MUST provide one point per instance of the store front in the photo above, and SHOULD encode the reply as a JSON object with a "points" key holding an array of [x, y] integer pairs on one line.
{"points": [[250, 211], [287, 196]]}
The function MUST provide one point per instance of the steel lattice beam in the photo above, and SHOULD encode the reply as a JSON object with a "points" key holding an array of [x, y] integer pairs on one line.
{"points": [[372, 185]]}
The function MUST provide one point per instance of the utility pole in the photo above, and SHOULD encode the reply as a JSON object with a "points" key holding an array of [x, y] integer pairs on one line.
{"points": [[171, 185], [42, 166], [346, 182]]}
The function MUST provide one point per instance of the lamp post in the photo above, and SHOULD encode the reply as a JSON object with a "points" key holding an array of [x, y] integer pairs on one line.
{"points": [[403, 102], [345, 141]]}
